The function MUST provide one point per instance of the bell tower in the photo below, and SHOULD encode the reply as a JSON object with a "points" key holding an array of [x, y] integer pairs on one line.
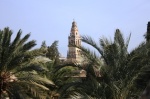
{"points": [[74, 54]]}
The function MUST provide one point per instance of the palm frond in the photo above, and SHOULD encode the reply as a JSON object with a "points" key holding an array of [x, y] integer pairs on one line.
{"points": [[23, 90], [81, 95], [90, 41], [24, 39], [57, 68], [29, 45], [36, 78], [128, 40], [16, 40], [32, 67]]}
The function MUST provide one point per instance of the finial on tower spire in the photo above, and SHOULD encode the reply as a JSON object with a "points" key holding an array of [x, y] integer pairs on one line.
{"points": [[73, 20]]}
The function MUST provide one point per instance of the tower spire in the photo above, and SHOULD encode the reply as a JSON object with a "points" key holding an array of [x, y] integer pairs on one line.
{"points": [[74, 28]]}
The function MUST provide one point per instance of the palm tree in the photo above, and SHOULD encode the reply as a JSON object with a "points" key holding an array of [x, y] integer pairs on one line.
{"points": [[143, 57], [18, 76], [123, 70], [119, 70], [147, 36]]}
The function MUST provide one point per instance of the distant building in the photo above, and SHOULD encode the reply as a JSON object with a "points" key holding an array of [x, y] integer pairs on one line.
{"points": [[74, 53], [62, 58]]}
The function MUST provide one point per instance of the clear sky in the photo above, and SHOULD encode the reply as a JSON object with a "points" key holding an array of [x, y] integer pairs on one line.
{"points": [[51, 20]]}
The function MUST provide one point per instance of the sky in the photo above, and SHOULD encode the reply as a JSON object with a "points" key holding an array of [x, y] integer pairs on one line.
{"points": [[50, 20]]}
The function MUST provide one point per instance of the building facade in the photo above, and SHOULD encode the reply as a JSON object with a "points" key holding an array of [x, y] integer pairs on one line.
{"points": [[74, 39]]}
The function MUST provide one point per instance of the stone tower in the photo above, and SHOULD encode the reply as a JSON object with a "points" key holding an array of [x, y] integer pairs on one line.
{"points": [[74, 54]]}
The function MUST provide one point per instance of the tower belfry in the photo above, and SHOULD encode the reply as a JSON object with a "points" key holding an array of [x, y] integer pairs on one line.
{"points": [[74, 53]]}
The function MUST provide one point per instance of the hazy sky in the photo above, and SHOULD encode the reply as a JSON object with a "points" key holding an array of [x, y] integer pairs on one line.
{"points": [[51, 20]]}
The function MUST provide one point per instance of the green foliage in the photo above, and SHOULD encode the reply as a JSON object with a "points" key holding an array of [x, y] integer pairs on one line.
{"points": [[147, 35], [43, 44], [15, 53], [17, 79], [53, 53], [116, 74], [53, 50], [111, 72]]}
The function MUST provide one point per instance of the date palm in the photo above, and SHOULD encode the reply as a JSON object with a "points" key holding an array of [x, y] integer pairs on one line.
{"points": [[119, 71], [122, 69], [18, 76]]}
